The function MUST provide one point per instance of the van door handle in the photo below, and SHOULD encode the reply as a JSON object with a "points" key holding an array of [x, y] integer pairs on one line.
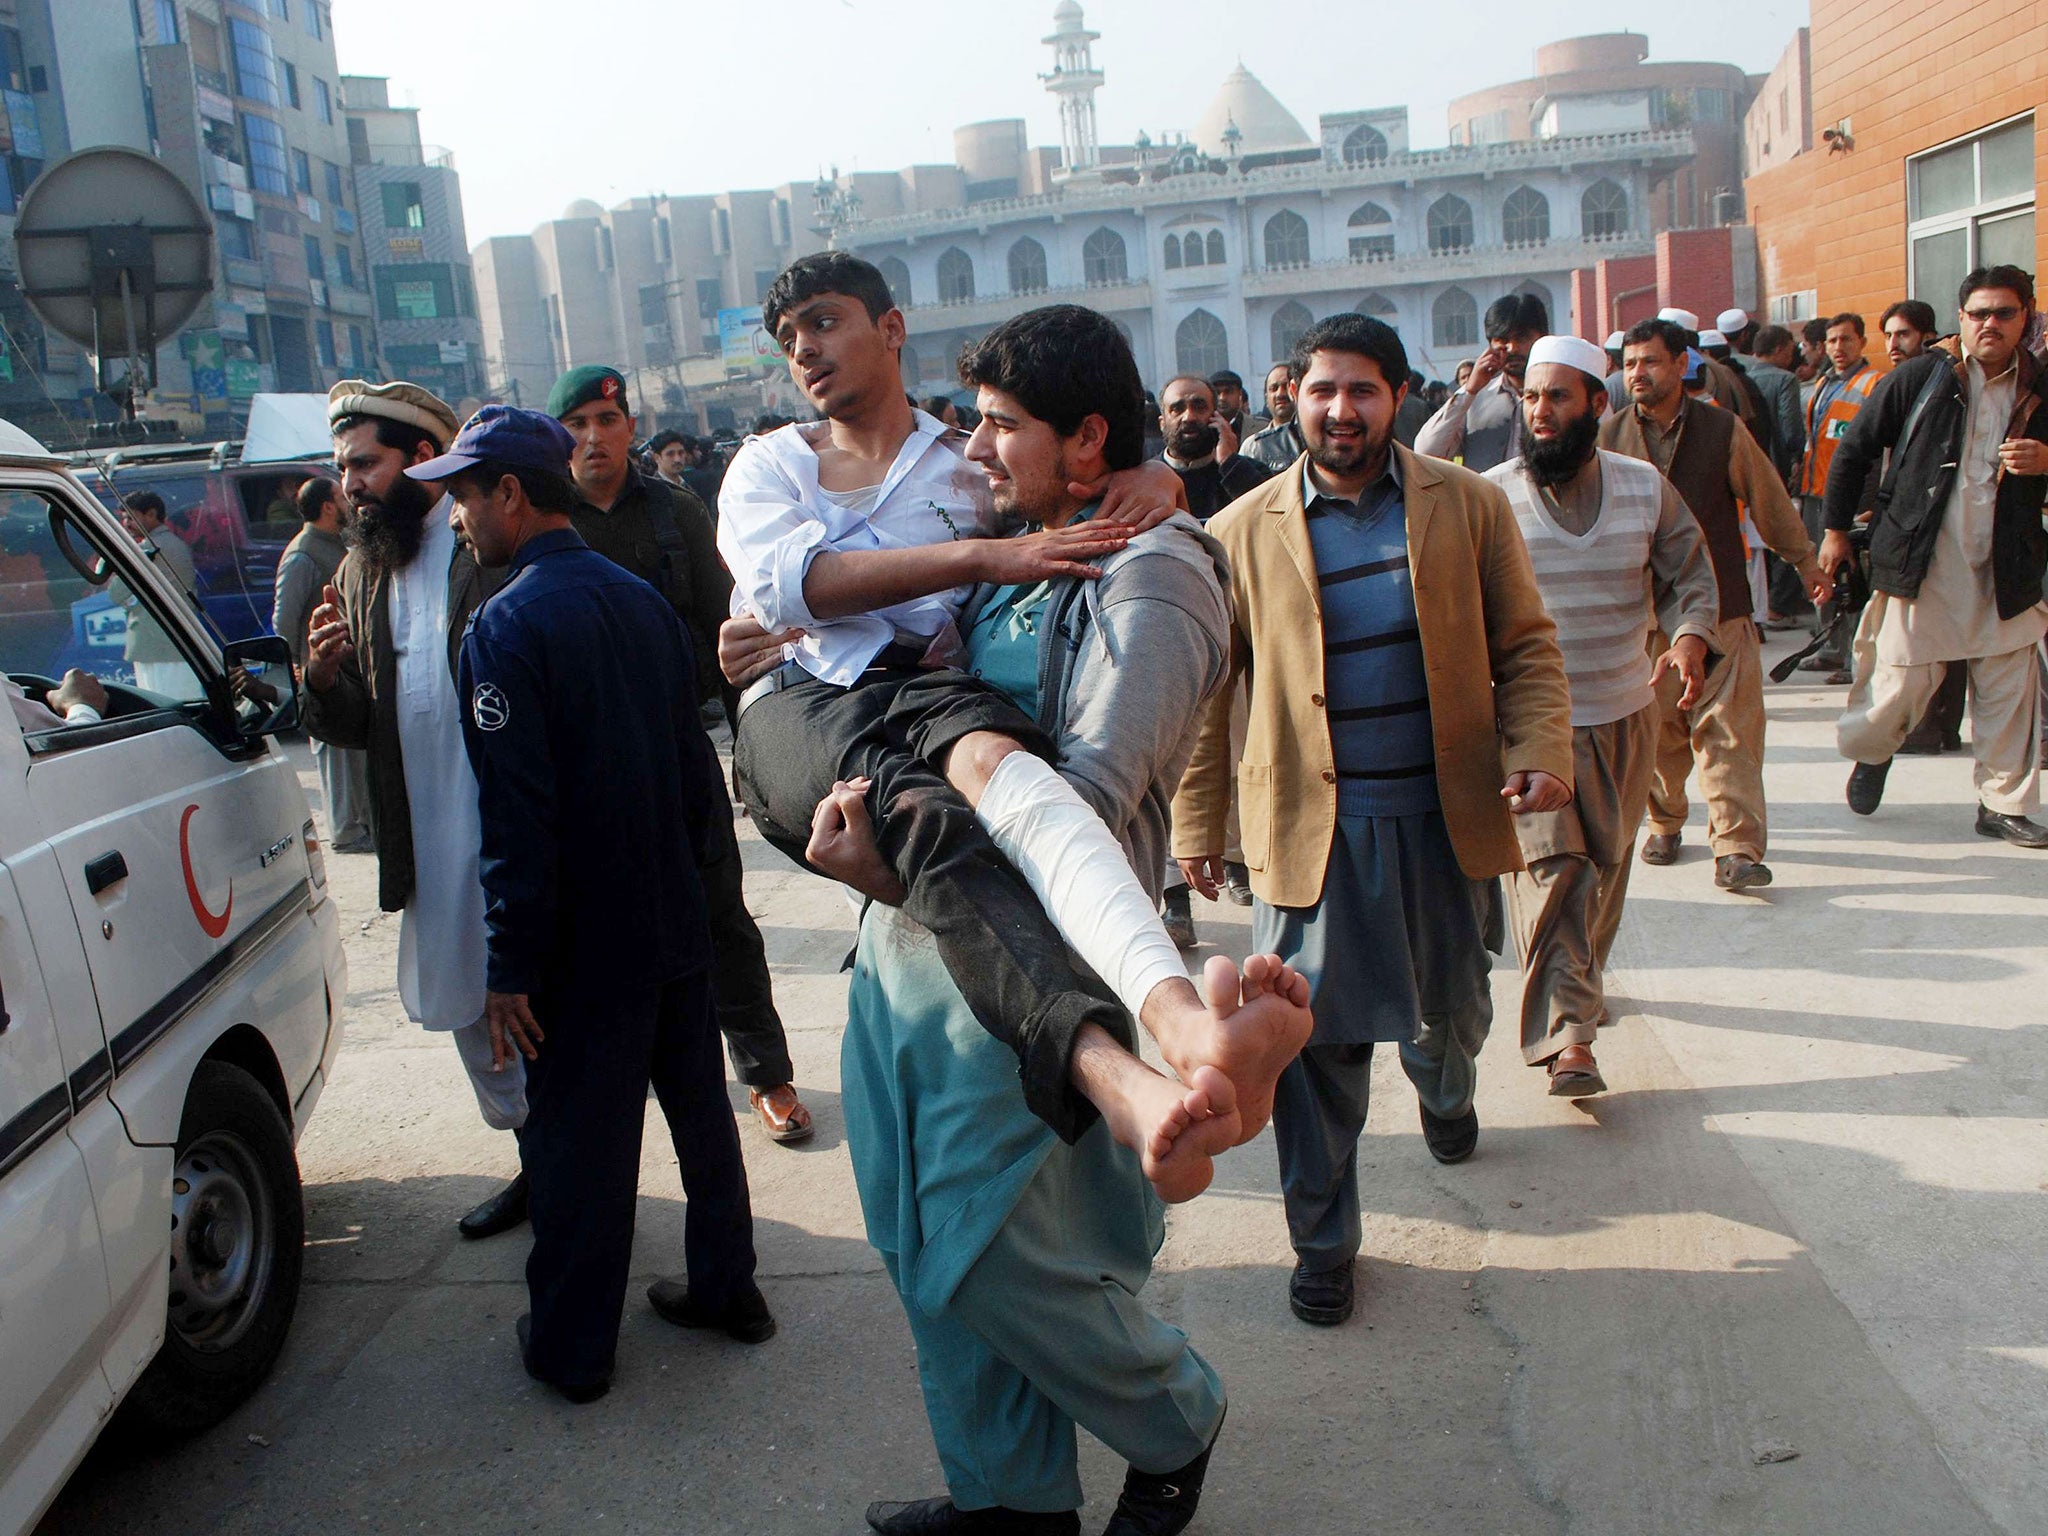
{"points": [[108, 869]]}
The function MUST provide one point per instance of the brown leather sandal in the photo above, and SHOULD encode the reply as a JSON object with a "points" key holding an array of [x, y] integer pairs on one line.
{"points": [[782, 1113], [1574, 1074]]}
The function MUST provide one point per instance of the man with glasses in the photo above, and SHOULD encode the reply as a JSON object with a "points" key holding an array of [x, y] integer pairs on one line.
{"points": [[1957, 553]]}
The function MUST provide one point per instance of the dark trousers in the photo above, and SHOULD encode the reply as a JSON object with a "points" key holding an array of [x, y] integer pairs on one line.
{"points": [[587, 1100], [1943, 722], [893, 726], [1788, 597], [754, 1036]]}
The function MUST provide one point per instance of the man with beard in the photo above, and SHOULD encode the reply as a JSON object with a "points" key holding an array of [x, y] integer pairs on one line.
{"points": [[1610, 539], [380, 677], [663, 535], [1233, 405], [1481, 425], [1715, 464], [1190, 425], [1278, 445], [1407, 701]]}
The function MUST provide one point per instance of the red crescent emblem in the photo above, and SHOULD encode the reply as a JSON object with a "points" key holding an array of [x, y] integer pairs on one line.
{"points": [[213, 927]]}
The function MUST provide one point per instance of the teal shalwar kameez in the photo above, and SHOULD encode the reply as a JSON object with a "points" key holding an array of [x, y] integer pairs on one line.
{"points": [[1018, 1257]]}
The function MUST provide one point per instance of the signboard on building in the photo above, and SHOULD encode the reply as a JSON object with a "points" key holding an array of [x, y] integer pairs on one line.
{"points": [[742, 343], [244, 377], [454, 353], [410, 247], [414, 301], [207, 358]]}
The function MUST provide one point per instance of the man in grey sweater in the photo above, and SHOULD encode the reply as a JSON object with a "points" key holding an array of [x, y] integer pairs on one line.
{"points": [[306, 567]]}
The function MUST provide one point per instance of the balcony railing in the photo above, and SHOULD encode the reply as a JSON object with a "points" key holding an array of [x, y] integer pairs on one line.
{"points": [[1444, 265], [984, 308]]}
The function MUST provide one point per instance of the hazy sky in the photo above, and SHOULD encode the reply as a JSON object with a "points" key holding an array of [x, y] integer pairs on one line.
{"points": [[606, 99]]}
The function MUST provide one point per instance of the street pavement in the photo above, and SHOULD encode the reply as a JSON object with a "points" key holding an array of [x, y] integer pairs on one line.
{"points": [[1785, 1276]]}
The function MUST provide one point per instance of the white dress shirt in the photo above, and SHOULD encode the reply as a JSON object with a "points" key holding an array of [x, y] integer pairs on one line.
{"points": [[773, 519]]}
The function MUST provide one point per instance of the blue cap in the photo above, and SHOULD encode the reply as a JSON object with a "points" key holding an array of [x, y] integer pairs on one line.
{"points": [[504, 434], [1695, 365]]}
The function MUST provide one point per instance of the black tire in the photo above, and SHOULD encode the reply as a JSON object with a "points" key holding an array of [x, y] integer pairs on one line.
{"points": [[238, 1246]]}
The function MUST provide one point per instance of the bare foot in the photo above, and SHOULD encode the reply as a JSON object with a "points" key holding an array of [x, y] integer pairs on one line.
{"points": [[1253, 1027], [1175, 1129]]}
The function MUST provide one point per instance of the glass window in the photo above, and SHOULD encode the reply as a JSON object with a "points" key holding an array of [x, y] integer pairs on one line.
{"points": [[267, 164], [416, 291], [316, 259], [357, 358], [1450, 224], [1603, 210], [1944, 181], [1193, 246], [291, 82], [2007, 161], [1172, 252], [323, 341], [956, 276], [1364, 145], [1287, 240], [1215, 247], [323, 101], [1377, 245], [1200, 344], [403, 207], [237, 237], [1972, 206], [1454, 319], [166, 21], [711, 297], [255, 63], [302, 171], [315, 21], [1103, 259], [1027, 266], [344, 266], [281, 9], [1525, 217], [334, 183], [897, 276], [2007, 241], [1290, 321]]}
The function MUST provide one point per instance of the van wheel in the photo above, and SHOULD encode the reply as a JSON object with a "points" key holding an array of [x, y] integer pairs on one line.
{"points": [[238, 1230]]}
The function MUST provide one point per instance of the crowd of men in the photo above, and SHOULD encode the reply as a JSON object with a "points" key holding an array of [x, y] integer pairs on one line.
{"points": [[1404, 678]]}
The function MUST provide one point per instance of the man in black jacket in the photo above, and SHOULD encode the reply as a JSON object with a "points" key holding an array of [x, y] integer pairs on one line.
{"points": [[1190, 423], [1957, 553]]}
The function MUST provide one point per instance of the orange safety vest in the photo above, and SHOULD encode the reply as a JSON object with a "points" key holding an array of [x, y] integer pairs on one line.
{"points": [[1822, 437]]}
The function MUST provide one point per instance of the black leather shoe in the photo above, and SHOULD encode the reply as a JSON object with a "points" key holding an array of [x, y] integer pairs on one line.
{"points": [[1162, 1503], [1237, 884], [1866, 786], [1918, 744], [2017, 830], [501, 1213], [1323, 1297], [575, 1392], [745, 1318], [1661, 848], [939, 1517], [1733, 872], [1451, 1141]]}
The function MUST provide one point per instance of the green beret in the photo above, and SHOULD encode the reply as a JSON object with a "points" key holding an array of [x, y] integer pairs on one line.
{"points": [[580, 386]]}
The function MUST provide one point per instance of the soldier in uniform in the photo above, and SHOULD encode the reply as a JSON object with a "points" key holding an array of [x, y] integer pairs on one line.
{"points": [[663, 534], [598, 951]]}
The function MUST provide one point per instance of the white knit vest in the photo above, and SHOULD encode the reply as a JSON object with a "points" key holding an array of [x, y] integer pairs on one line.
{"points": [[1597, 588]]}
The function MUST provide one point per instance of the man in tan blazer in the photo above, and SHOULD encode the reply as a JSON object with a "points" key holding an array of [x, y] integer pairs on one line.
{"points": [[1406, 697]]}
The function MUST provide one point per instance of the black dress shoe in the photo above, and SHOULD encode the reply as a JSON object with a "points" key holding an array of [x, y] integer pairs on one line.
{"points": [[501, 1213], [939, 1517], [1866, 786], [1734, 872], [1918, 744], [1323, 1297], [578, 1392], [1161, 1503], [745, 1317], [2017, 830], [1451, 1141]]}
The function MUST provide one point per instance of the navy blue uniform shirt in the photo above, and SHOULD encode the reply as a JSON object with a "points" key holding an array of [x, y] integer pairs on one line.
{"points": [[579, 714]]}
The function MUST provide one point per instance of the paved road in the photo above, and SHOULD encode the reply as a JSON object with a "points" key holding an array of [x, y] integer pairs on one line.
{"points": [[1809, 1217]]}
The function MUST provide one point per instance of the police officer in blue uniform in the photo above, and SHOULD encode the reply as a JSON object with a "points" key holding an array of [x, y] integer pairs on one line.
{"points": [[598, 948]]}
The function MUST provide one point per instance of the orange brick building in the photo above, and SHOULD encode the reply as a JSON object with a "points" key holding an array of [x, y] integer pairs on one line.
{"points": [[1944, 104]]}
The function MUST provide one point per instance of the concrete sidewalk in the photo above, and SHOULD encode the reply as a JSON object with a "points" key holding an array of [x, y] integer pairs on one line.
{"points": [[1807, 1221]]}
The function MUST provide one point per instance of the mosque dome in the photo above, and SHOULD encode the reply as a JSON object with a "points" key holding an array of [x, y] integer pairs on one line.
{"points": [[583, 208], [1066, 11], [1262, 122]]}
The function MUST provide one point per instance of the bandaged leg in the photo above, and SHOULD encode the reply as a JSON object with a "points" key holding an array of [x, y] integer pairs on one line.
{"points": [[1081, 876]]}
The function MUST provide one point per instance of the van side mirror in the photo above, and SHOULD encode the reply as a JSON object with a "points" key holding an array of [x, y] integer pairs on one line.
{"points": [[262, 689]]}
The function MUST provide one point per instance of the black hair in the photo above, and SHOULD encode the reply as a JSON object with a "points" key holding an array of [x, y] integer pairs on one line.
{"points": [[148, 503], [2018, 280], [1846, 317], [1670, 332], [1359, 334], [1914, 312], [1223, 376], [769, 421], [391, 433], [932, 405], [1770, 339], [661, 440], [1514, 313], [1814, 332], [548, 493], [1063, 364], [839, 272], [313, 498]]}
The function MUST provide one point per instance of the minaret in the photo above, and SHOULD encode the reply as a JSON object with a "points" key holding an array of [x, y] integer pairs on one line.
{"points": [[1075, 80]]}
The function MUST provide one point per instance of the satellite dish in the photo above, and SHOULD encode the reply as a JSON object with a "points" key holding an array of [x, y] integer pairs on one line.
{"points": [[115, 253]]}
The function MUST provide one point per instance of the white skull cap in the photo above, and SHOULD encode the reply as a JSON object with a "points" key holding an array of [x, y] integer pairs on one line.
{"points": [[1615, 340], [1713, 339], [1732, 321], [1573, 352], [1683, 317]]}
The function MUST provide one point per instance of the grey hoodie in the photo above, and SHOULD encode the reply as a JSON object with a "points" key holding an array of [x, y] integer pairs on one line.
{"points": [[1125, 664]]}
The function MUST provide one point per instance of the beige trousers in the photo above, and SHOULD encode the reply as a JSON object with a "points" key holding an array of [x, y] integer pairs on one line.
{"points": [[2005, 714], [1566, 906], [1723, 734]]}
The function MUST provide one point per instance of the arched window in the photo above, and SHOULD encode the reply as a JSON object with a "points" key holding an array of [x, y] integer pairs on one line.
{"points": [[1378, 305], [1603, 210], [1450, 224], [1215, 247], [1200, 344], [1027, 268], [1364, 145], [1102, 258], [1525, 217], [1194, 249], [1287, 240], [1290, 322], [1172, 252], [1372, 234], [897, 276], [1538, 291], [1454, 319], [956, 276], [912, 366]]}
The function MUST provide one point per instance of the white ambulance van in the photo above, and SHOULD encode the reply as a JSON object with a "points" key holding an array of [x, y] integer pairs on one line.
{"points": [[171, 978]]}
